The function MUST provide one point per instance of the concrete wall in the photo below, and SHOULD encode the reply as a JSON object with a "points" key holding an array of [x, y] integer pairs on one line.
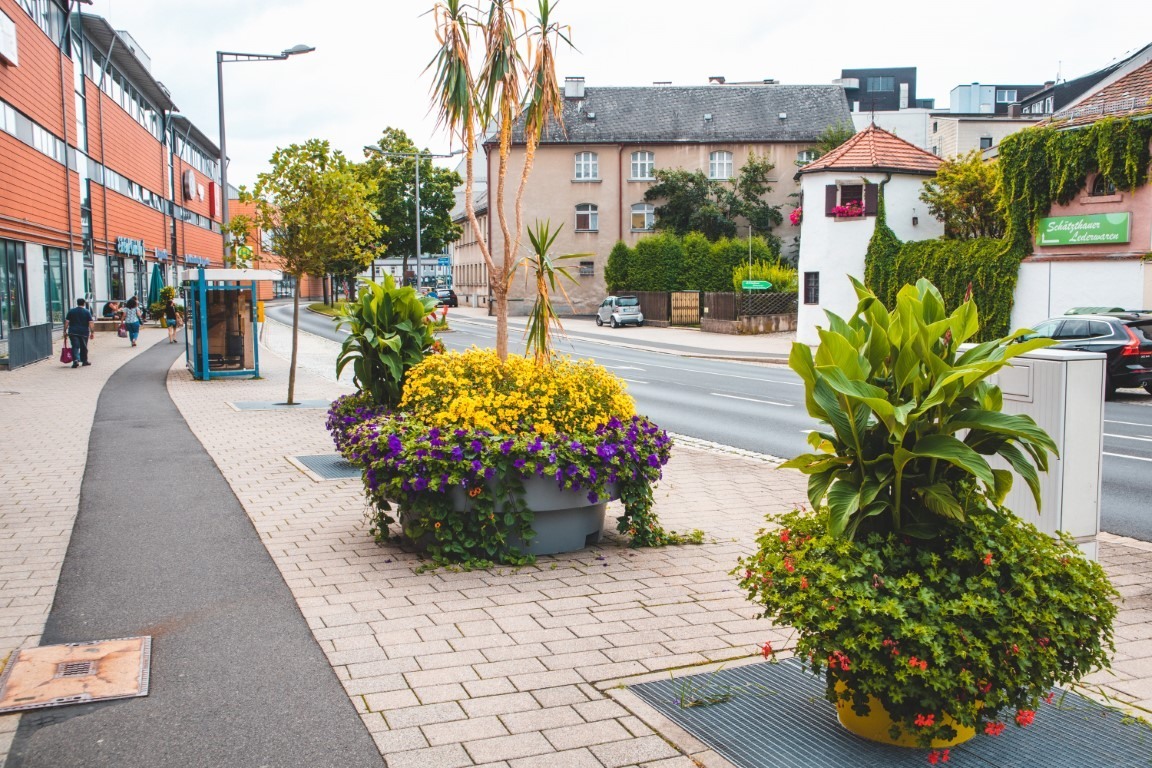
{"points": [[835, 248]]}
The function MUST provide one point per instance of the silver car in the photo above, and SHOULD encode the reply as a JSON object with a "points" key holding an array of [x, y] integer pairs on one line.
{"points": [[620, 310]]}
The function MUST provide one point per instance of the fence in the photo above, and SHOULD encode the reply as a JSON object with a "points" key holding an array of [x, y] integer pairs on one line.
{"points": [[731, 306], [29, 344]]}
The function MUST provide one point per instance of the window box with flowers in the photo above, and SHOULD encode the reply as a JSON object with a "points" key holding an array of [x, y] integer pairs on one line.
{"points": [[931, 609], [853, 209]]}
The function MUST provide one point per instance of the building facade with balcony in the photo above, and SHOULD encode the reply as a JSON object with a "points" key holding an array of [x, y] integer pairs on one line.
{"points": [[101, 181]]}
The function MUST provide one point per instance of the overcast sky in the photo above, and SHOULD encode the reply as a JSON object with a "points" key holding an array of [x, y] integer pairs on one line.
{"points": [[367, 72]]}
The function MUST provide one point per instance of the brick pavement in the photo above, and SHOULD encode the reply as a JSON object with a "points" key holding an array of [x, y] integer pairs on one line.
{"points": [[503, 667]]}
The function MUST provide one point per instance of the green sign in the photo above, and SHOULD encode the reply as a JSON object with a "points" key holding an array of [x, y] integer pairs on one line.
{"points": [[755, 285], [1094, 229]]}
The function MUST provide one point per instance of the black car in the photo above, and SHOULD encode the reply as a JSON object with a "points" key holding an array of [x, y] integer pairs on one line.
{"points": [[446, 296], [1125, 337]]}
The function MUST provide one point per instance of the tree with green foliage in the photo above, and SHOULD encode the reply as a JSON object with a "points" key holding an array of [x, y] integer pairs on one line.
{"points": [[516, 77], [318, 213], [391, 176], [965, 195], [832, 137], [692, 202], [616, 271], [239, 229]]}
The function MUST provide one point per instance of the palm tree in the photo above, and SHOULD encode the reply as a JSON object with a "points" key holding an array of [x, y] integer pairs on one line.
{"points": [[468, 102]]}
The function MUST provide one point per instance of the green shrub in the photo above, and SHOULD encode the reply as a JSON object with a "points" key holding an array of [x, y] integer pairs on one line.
{"points": [[656, 264], [389, 334], [616, 274], [783, 277]]}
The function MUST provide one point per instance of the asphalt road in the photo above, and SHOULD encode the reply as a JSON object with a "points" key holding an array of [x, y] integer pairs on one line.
{"points": [[760, 407]]}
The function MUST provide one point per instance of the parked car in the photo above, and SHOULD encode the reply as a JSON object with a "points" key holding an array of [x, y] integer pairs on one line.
{"points": [[446, 296], [620, 310], [1125, 337]]}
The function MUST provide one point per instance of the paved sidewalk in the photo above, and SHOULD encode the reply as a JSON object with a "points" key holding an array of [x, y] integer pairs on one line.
{"points": [[503, 667]]}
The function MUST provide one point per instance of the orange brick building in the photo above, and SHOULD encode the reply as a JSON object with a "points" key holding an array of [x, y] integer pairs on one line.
{"points": [[262, 258], [102, 182]]}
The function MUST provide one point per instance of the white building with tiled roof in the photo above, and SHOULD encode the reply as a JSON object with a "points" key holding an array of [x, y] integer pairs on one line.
{"points": [[841, 195]]}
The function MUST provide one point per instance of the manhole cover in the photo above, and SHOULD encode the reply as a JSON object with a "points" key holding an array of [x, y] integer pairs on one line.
{"points": [[328, 466], [260, 405], [775, 716], [76, 673]]}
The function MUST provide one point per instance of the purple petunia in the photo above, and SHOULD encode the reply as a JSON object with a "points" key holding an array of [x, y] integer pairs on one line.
{"points": [[457, 453], [506, 447]]}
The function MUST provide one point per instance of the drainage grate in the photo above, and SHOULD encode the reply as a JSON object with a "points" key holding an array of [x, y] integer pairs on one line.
{"points": [[76, 673], [75, 669], [328, 466], [261, 405], [775, 716]]}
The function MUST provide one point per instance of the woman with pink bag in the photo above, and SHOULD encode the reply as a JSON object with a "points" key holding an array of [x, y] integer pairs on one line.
{"points": [[133, 316]]}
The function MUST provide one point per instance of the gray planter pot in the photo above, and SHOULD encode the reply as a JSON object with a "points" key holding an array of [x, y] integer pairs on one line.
{"points": [[564, 520]]}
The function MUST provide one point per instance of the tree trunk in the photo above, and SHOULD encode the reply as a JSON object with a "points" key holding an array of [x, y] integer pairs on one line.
{"points": [[500, 299], [295, 341]]}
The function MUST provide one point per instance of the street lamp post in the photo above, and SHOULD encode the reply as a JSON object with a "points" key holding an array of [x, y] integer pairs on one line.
{"points": [[417, 154], [230, 56]]}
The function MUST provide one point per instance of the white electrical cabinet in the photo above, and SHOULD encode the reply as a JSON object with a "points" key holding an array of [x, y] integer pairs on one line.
{"points": [[1063, 391]]}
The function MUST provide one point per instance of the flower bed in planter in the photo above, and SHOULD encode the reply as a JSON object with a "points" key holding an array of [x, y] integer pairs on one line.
{"points": [[471, 424]]}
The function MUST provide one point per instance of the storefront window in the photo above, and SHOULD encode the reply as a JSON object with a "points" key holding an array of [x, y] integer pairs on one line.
{"points": [[55, 285], [116, 278], [13, 287]]}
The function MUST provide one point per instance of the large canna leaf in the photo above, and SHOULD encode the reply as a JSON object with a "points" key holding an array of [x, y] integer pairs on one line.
{"points": [[1004, 424], [946, 448]]}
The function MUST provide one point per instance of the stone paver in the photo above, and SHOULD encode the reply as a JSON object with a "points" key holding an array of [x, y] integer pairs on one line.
{"points": [[494, 667]]}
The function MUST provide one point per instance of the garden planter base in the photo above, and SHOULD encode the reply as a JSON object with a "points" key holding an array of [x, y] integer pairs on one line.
{"points": [[564, 520], [875, 725]]}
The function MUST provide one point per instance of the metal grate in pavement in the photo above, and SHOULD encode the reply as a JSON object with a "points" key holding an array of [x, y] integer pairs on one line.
{"points": [[261, 405], [775, 716], [76, 673], [329, 466]]}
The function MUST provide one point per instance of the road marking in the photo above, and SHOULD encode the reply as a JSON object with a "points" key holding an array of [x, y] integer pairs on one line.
{"points": [[682, 369], [632, 381], [1129, 423], [1130, 437], [623, 367], [1126, 456], [752, 400]]}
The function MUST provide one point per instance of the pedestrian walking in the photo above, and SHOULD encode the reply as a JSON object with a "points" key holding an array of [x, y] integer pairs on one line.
{"points": [[79, 329], [132, 319], [171, 317]]}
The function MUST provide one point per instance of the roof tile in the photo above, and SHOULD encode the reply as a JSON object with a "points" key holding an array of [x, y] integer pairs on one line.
{"points": [[876, 148]]}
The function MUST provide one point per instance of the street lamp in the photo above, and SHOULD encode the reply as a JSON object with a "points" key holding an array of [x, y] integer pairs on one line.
{"points": [[221, 57], [417, 154]]}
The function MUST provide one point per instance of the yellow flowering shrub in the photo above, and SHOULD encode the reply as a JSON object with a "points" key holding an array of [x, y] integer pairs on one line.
{"points": [[475, 390]]}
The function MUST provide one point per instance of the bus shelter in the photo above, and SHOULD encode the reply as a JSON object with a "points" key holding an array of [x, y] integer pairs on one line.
{"points": [[220, 332]]}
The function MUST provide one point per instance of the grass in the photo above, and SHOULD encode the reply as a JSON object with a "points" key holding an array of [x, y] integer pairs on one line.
{"points": [[324, 309]]}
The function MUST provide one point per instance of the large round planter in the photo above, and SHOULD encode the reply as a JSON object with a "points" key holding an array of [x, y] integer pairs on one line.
{"points": [[875, 725], [564, 520]]}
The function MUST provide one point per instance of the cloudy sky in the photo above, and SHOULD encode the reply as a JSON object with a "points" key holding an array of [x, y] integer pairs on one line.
{"points": [[368, 68]]}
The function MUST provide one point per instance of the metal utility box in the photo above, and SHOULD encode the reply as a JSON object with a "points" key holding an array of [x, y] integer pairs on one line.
{"points": [[1063, 391], [221, 328]]}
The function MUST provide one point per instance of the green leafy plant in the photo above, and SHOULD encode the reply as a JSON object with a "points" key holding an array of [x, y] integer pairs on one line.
{"points": [[910, 585], [389, 334], [782, 276], [911, 416], [543, 316]]}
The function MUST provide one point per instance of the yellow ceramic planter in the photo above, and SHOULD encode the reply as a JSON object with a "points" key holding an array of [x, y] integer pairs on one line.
{"points": [[875, 725]]}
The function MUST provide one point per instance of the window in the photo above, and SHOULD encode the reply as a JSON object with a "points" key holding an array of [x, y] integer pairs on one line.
{"points": [[587, 166], [811, 287], [643, 217], [13, 287], [720, 165], [935, 126], [985, 142], [936, 150], [587, 218], [1048, 105], [1006, 96], [805, 156], [587, 268], [116, 278], [643, 164], [851, 200], [881, 84], [1101, 187], [55, 286]]}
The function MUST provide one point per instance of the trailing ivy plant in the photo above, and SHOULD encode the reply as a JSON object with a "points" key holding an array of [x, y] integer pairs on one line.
{"points": [[1048, 164], [388, 335], [910, 417]]}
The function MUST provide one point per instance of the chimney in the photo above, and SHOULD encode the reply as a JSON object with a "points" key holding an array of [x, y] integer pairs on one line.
{"points": [[1049, 83], [716, 80], [1013, 110], [574, 88]]}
